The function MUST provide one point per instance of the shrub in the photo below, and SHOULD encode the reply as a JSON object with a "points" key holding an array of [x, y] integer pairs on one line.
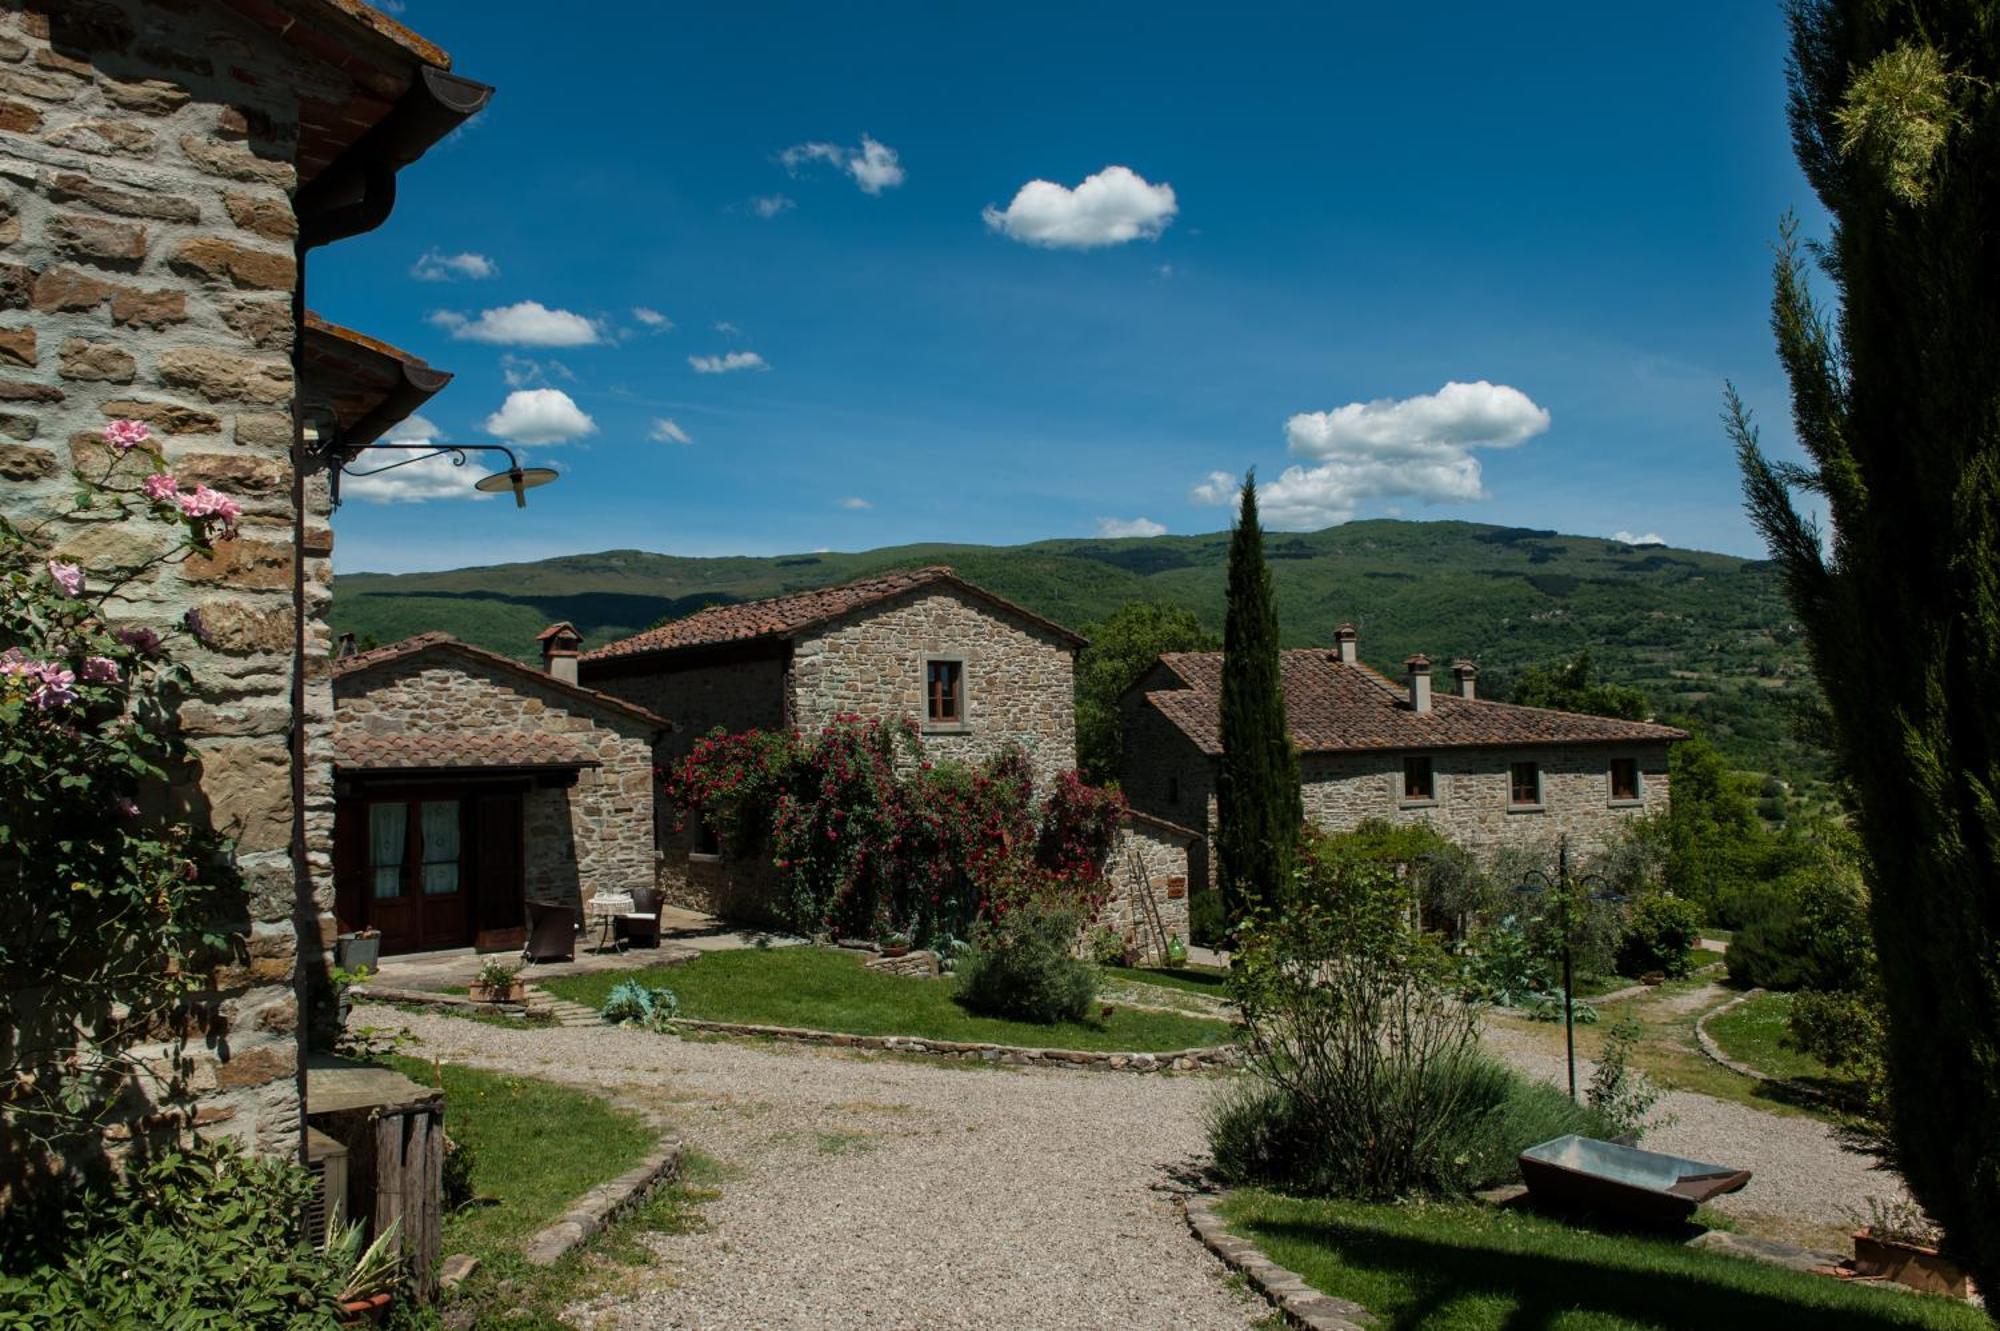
{"points": [[1259, 1133], [631, 1003], [198, 1238], [1022, 966], [1106, 947], [1660, 928], [1504, 967], [1619, 1093]]}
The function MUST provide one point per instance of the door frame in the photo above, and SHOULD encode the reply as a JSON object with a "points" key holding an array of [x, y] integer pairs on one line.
{"points": [[353, 894]]}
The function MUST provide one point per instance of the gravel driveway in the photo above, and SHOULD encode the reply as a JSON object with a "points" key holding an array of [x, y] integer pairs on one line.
{"points": [[873, 1192]]}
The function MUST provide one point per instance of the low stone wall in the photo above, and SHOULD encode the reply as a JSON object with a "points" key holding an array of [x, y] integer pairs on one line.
{"points": [[595, 1209], [1179, 1060], [919, 965], [1298, 1303]]}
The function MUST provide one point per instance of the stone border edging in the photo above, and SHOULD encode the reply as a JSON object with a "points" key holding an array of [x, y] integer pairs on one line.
{"points": [[1178, 1060], [366, 993], [1297, 1302], [1714, 1050], [598, 1207]]}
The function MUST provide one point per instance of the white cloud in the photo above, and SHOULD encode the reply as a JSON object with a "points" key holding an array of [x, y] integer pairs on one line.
{"points": [[1109, 208], [417, 481], [528, 324], [1219, 488], [668, 431], [652, 318], [855, 502], [1627, 538], [523, 371], [728, 329], [1115, 527], [436, 266], [1417, 448], [540, 416], [725, 364], [770, 205], [874, 166]]}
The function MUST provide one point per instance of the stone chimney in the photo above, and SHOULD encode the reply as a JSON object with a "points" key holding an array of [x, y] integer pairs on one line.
{"points": [[1468, 678], [343, 646], [1420, 683], [1344, 638], [560, 643]]}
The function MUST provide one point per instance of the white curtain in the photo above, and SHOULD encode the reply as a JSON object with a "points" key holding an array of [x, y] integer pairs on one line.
{"points": [[387, 824], [440, 826]]}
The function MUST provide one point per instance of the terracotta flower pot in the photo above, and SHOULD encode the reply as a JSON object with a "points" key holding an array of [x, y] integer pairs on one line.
{"points": [[365, 1312], [513, 992], [895, 950], [1910, 1264]]}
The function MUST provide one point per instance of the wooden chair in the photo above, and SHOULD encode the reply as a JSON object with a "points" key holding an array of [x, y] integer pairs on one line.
{"points": [[551, 932], [642, 927]]}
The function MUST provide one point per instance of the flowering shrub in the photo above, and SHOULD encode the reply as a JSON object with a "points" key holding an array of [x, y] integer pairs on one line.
{"points": [[869, 837], [112, 905]]}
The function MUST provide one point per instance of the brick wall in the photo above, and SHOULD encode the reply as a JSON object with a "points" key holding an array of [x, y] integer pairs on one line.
{"points": [[146, 270], [1019, 677], [594, 835]]}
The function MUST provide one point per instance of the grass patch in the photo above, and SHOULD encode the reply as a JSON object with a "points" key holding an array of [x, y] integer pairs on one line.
{"points": [[536, 1147], [1212, 981], [1470, 1268], [1754, 1031], [831, 991]]}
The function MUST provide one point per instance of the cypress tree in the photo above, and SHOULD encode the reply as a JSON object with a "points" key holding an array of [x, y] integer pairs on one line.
{"points": [[1895, 111], [1257, 800]]}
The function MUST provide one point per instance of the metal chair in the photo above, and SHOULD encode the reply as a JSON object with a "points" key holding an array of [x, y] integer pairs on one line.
{"points": [[551, 932]]}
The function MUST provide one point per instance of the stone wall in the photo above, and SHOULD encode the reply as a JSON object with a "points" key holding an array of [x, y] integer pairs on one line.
{"points": [[742, 694], [146, 271], [1019, 677], [1148, 872], [595, 835], [1472, 788], [1166, 776]]}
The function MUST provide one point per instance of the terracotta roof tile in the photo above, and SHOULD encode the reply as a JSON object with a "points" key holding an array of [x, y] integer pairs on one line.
{"points": [[780, 617], [1335, 708], [439, 640], [358, 751]]}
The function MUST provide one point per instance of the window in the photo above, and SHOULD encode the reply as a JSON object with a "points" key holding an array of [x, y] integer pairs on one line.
{"points": [[1625, 780], [1419, 781], [944, 687], [388, 831], [430, 859], [1173, 790], [1525, 784], [707, 841], [440, 827]]}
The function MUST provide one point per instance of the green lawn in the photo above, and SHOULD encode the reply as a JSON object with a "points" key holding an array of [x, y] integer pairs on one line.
{"points": [[1210, 980], [1471, 1268], [831, 991], [1753, 1032], [536, 1147]]}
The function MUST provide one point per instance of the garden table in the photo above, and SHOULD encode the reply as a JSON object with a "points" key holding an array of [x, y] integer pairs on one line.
{"points": [[604, 910]]}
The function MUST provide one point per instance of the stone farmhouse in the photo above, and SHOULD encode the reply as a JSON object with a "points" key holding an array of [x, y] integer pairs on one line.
{"points": [[974, 672], [469, 784], [168, 166], [1487, 774]]}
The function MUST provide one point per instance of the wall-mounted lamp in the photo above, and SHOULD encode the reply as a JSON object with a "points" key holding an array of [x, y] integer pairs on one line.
{"points": [[516, 478]]}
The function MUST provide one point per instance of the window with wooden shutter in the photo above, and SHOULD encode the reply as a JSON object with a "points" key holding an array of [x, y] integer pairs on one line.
{"points": [[1525, 784], [944, 688]]}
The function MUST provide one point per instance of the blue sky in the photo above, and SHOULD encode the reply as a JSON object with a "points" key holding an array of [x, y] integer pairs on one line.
{"points": [[780, 262]]}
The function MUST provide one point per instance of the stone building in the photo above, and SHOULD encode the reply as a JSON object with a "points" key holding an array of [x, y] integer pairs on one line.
{"points": [[469, 784], [165, 168], [1486, 774]]}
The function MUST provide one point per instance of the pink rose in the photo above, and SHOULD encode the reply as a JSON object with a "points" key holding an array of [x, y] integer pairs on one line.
{"points": [[100, 670], [55, 686], [127, 435], [160, 487], [126, 806], [68, 576], [206, 503], [12, 662], [141, 640]]}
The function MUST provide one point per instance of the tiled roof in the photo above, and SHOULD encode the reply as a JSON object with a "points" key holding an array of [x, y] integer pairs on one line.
{"points": [[441, 641], [1335, 708], [781, 617], [355, 751]]}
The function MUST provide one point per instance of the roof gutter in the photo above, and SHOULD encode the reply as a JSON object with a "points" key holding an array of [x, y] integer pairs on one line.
{"points": [[356, 193]]}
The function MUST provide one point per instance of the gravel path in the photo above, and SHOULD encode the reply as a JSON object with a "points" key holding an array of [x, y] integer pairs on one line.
{"points": [[873, 1192], [1806, 1188]]}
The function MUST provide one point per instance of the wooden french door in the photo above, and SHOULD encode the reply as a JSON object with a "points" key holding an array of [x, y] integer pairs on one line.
{"points": [[430, 868]]}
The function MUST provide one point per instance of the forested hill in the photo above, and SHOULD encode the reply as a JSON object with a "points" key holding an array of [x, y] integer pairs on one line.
{"points": [[1708, 636]]}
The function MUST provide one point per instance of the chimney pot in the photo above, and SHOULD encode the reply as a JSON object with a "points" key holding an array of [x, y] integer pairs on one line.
{"points": [[1419, 667], [1468, 676], [1345, 639], [343, 646], [560, 643]]}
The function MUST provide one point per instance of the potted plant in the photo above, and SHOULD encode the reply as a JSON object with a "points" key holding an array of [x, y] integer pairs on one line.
{"points": [[1899, 1243], [896, 943], [358, 951], [497, 982], [372, 1272]]}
